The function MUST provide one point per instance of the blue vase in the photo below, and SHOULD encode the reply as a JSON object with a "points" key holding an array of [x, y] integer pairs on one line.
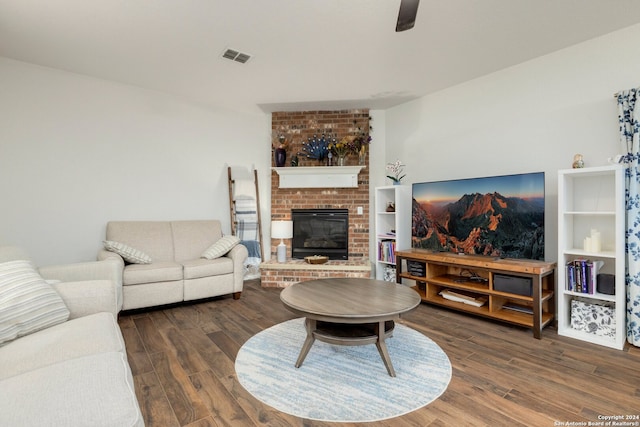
{"points": [[280, 157]]}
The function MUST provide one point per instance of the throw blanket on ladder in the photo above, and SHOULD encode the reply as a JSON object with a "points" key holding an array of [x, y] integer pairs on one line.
{"points": [[246, 211], [247, 219]]}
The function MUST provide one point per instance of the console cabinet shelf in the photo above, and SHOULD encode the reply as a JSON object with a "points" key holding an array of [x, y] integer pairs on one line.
{"points": [[471, 278]]}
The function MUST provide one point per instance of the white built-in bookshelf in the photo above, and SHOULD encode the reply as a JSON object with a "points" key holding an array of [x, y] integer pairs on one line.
{"points": [[392, 227], [591, 242]]}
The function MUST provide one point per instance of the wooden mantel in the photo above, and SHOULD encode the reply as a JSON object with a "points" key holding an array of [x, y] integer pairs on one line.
{"points": [[318, 176]]}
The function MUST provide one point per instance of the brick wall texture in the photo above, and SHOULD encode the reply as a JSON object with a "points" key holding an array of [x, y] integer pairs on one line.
{"points": [[297, 127], [284, 278]]}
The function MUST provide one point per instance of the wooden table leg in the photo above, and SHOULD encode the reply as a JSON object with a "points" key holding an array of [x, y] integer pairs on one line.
{"points": [[382, 349], [310, 325]]}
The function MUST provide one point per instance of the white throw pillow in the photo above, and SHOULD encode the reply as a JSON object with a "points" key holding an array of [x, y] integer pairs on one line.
{"points": [[130, 254], [27, 303], [221, 247]]}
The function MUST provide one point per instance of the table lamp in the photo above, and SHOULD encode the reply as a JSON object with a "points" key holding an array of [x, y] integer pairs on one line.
{"points": [[282, 230]]}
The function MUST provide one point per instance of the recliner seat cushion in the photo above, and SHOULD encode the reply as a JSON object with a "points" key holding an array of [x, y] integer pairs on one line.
{"points": [[166, 271], [95, 390], [201, 267], [92, 334]]}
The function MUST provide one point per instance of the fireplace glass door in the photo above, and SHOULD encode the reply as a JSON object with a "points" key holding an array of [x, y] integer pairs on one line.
{"points": [[320, 232]]}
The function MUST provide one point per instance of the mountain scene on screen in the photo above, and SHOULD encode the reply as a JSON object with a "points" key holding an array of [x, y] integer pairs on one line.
{"points": [[483, 224]]}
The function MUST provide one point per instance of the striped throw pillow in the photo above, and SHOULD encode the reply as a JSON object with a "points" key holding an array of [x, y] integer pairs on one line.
{"points": [[220, 248], [129, 254], [27, 303]]}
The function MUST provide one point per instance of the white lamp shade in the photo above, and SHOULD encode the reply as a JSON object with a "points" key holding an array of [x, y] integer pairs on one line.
{"points": [[282, 229]]}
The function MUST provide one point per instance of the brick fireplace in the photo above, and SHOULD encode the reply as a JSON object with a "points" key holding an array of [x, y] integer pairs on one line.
{"points": [[297, 127]]}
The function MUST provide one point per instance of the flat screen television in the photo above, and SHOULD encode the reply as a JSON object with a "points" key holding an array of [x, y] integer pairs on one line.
{"points": [[497, 216]]}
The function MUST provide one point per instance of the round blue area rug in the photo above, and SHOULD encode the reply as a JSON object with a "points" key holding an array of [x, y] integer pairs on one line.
{"points": [[342, 383]]}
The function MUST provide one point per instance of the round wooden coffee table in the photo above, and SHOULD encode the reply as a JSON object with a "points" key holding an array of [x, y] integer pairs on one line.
{"points": [[349, 311]]}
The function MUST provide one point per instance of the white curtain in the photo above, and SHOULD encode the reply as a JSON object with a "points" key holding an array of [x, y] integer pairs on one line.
{"points": [[629, 121]]}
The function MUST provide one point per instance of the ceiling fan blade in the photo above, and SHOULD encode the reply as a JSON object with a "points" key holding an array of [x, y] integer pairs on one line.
{"points": [[407, 14]]}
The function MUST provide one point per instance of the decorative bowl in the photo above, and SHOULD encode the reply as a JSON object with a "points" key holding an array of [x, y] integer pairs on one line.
{"points": [[316, 259]]}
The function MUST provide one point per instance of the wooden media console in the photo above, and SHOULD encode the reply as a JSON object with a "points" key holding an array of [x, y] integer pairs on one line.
{"points": [[468, 283]]}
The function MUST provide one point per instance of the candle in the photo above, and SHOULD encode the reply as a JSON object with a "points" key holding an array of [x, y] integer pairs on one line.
{"points": [[596, 243]]}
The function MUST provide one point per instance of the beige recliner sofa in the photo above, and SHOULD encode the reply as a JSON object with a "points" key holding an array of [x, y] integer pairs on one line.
{"points": [[177, 272], [74, 372]]}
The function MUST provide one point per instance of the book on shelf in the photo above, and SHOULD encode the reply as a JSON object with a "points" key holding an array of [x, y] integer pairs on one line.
{"points": [[387, 251], [581, 275]]}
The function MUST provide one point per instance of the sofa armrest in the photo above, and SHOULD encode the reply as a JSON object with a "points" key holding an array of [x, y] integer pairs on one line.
{"points": [[108, 269], [105, 255], [89, 297], [238, 255]]}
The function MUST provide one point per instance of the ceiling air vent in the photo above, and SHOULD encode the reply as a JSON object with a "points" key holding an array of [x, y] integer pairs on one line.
{"points": [[234, 55]]}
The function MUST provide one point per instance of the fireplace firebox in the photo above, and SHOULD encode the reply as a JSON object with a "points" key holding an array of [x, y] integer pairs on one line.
{"points": [[320, 232]]}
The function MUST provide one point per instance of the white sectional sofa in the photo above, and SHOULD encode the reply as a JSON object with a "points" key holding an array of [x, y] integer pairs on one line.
{"points": [[168, 266], [74, 373]]}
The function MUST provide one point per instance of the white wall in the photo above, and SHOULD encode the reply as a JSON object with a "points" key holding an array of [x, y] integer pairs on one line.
{"points": [[76, 152], [531, 117]]}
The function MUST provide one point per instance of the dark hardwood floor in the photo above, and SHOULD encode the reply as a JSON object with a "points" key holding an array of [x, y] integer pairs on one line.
{"points": [[182, 359]]}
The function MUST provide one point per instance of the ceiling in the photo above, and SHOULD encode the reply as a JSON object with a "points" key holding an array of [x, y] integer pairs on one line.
{"points": [[305, 54]]}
